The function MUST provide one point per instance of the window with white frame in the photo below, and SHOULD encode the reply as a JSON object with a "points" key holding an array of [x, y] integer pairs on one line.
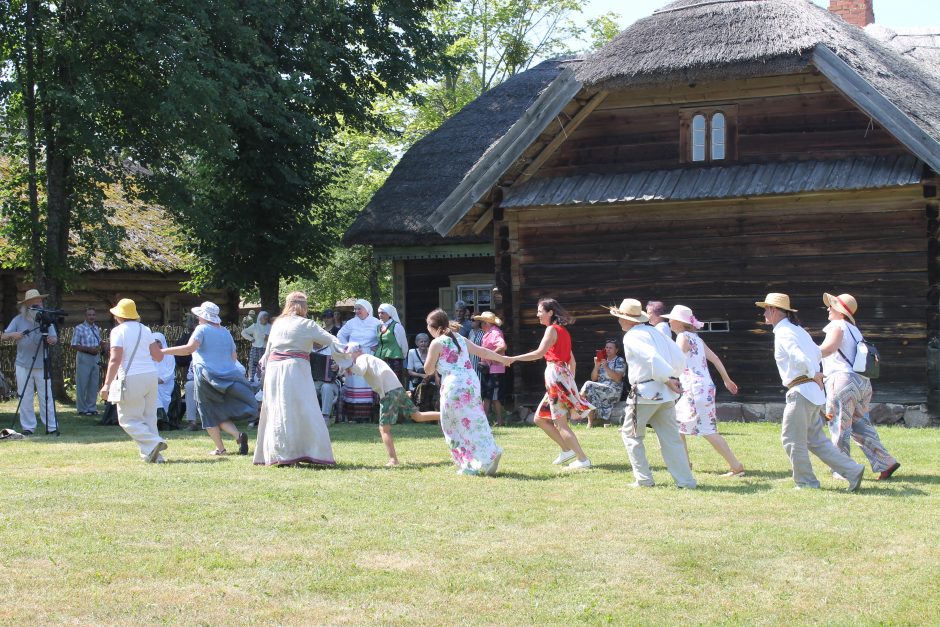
{"points": [[707, 134]]}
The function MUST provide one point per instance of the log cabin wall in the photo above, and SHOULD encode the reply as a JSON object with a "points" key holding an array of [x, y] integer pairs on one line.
{"points": [[158, 296], [719, 257], [780, 118], [423, 278]]}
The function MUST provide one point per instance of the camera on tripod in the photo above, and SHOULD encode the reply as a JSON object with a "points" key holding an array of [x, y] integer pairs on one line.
{"points": [[49, 317]]}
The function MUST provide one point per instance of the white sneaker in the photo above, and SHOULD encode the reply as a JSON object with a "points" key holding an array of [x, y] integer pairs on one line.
{"points": [[579, 465], [563, 457]]}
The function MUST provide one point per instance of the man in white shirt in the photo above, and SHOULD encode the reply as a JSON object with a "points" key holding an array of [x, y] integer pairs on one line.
{"points": [[655, 310], [798, 362], [654, 364]]}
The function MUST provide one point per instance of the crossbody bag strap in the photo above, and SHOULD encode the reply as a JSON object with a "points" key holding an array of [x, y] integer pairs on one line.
{"points": [[130, 361], [851, 362]]}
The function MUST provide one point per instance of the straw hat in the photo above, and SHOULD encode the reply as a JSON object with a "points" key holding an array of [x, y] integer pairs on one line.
{"points": [[630, 309], [126, 309], [490, 317], [208, 311], [845, 304], [780, 301], [683, 314], [31, 295]]}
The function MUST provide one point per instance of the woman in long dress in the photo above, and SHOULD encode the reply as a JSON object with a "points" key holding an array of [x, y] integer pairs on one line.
{"points": [[695, 410], [463, 421], [362, 330], [292, 428]]}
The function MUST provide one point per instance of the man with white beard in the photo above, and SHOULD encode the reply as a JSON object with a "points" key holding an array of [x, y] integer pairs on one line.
{"points": [[24, 330]]}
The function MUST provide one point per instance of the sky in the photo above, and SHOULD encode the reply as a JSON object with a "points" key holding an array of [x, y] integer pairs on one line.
{"points": [[897, 13]]}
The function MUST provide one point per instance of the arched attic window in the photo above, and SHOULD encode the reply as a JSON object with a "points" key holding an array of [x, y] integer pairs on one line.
{"points": [[707, 134]]}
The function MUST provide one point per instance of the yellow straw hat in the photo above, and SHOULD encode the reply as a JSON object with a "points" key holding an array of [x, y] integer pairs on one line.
{"points": [[780, 301], [845, 304], [490, 317], [126, 309]]}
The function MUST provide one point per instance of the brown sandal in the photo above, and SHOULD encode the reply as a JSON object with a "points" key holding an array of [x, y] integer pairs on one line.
{"points": [[219, 452]]}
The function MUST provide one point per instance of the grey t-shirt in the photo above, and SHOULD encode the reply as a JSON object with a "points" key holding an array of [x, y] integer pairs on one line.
{"points": [[26, 347]]}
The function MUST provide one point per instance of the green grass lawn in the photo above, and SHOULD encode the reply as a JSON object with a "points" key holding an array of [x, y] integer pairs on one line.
{"points": [[91, 535]]}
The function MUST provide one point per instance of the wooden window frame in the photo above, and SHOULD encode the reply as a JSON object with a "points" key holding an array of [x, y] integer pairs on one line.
{"points": [[730, 111]]}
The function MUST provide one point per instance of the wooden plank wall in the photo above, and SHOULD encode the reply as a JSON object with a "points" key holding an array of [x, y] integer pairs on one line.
{"points": [[778, 119], [720, 257], [158, 297], [423, 277]]}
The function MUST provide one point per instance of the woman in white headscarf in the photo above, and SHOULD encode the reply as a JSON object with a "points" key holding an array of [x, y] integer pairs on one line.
{"points": [[362, 329], [166, 377], [393, 345]]}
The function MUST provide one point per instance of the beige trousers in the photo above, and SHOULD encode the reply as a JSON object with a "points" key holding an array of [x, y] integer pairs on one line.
{"points": [[137, 411], [662, 417]]}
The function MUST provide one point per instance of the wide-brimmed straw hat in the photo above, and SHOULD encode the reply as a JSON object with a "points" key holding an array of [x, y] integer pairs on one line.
{"points": [[31, 295], [683, 314], [490, 317], [208, 311], [630, 309], [126, 309], [845, 304], [780, 301]]}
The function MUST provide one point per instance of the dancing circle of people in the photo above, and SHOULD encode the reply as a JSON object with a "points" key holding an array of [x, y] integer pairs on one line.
{"points": [[669, 385]]}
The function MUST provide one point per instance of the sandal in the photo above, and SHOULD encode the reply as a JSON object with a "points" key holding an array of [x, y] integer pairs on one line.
{"points": [[219, 452], [735, 472]]}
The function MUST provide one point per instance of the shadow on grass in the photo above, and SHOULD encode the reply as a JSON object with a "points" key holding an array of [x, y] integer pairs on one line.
{"points": [[366, 432]]}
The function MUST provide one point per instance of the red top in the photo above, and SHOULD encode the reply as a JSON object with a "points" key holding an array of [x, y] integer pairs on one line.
{"points": [[561, 350]]}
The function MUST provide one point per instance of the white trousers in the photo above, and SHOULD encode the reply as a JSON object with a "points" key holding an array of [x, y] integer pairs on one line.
{"points": [[35, 385], [137, 411], [328, 393]]}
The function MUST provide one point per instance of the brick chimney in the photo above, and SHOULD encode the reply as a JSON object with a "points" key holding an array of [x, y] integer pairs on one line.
{"points": [[859, 13]]}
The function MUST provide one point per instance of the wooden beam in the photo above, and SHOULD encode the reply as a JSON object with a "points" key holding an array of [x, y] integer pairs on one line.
{"points": [[481, 223], [875, 104], [507, 150], [561, 136]]}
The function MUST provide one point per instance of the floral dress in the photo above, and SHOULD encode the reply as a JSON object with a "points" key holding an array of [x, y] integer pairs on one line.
{"points": [[605, 392], [695, 409], [463, 421]]}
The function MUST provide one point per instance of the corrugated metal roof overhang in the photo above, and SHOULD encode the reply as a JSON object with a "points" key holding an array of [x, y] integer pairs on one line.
{"points": [[731, 181]]}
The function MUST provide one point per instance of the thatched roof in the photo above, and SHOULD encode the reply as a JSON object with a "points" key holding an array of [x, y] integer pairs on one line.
{"points": [[436, 165], [920, 44], [692, 41]]}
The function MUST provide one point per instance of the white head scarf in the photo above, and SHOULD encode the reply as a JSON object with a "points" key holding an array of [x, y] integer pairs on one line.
{"points": [[361, 302], [391, 311], [160, 338]]}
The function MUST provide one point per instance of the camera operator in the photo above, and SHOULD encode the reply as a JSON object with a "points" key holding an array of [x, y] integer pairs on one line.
{"points": [[24, 330], [86, 340]]}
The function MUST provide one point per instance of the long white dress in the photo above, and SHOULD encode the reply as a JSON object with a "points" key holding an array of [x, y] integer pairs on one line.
{"points": [[356, 390], [291, 428]]}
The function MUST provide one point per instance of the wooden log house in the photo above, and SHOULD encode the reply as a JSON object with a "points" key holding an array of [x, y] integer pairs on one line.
{"points": [[711, 153]]}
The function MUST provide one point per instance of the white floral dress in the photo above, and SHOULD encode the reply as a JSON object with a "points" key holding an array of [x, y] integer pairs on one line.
{"points": [[463, 421], [695, 409]]}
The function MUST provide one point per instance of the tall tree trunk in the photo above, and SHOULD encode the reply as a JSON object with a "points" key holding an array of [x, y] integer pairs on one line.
{"points": [[33, 49], [269, 289]]}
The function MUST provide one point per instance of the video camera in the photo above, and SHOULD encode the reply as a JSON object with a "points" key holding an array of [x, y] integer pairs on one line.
{"points": [[48, 317]]}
